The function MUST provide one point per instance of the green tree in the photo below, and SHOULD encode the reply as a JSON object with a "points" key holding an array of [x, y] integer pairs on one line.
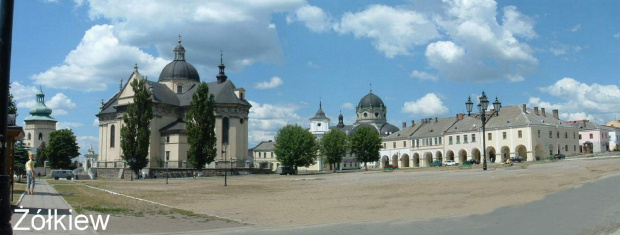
{"points": [[365, 144], [12, 107], [20, 158], [295, 146], [201, 127], [136, 132], [41, 156], [61, 149], [334, 146]]}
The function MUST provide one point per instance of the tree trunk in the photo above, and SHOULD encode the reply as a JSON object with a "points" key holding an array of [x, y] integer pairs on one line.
{"points": [[365, 166], [334, 164]]}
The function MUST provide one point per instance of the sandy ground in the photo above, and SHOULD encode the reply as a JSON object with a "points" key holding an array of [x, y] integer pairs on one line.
{"points": [[274, 200]]}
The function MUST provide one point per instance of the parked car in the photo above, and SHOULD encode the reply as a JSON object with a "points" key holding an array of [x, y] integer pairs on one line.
{"points": [[286, 170], [435, 163], [474, 162], [66, 174], [516, 159], [559, 156], [451, 163]]}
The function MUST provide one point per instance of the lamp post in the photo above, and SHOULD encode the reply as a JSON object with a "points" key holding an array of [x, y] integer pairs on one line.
{"points": [[224, 153], [482, 108], [166, 172]]}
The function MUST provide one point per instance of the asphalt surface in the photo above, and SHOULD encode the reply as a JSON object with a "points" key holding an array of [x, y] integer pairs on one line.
{"points": [[593, 208]]}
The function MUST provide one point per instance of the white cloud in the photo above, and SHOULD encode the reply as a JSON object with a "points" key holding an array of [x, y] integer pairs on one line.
{"points": [[312, 65], [423, 75], [96, 122], [23, 94], [272, 26], [68, 125], [85, 142], [98, 60], [559, 49], [60, 104], [313, 17], [581, 100], [393, 31], [443, 52], [429, 105], [485, 49], [617, 35], [108, 52], [576, 28], [348, 105], [273, 83], [267, 119]]}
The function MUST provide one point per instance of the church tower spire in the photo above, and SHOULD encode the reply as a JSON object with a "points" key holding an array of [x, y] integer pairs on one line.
{"points": [[179, 51], [222, 76]]}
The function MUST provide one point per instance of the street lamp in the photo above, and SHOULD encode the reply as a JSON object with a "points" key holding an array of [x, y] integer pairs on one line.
{"points": [[166, 171], [482, 109], [224, 153]]}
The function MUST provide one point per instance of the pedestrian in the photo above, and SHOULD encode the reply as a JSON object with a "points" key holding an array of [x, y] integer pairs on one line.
{"points": [[30, 174], [39, 175]]}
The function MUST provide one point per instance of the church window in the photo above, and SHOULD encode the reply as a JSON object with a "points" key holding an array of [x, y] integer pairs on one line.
{"points": [[394, 145], [179, 89], [271, 154], [241, 120], [112, 132], [404, 143], [376, 114], [40, 136], [167, 156], [167, 139], [365, 114], [225, 128], [241, 95], [28, 136], [318, 124]]}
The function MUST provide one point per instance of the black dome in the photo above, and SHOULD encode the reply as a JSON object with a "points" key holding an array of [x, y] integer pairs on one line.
{"points": [[179, 69], [370, 100]]}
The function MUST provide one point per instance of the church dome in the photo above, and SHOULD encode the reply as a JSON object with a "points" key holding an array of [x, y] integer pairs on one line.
{"points": [[179, 68], [370, 100], [40, 112]]}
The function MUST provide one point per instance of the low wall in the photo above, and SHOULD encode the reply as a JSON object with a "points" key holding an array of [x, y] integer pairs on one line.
{"points": [[176, 173]]}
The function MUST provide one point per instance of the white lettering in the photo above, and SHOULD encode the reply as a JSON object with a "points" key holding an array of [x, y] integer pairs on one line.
{"points": [[58, 220], [81, 219], [25, 211], [99, 220], [32, 221]]}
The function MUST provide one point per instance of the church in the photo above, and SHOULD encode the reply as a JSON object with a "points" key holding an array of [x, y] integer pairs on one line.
{"points": [[171, 96], [40, 124]]}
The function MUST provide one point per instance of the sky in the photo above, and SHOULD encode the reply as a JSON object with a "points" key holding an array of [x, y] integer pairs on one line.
{"points": [[423, 58]]}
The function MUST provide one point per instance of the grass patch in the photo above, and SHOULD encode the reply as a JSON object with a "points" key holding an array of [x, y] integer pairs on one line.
{"points": [[18, 189]]}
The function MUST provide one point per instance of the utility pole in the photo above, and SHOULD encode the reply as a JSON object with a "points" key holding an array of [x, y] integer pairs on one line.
{"points": [[6, 22]]}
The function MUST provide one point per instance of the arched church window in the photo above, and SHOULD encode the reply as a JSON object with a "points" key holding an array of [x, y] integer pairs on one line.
{"points": [[29, 136], [40, 136], [225, 128], [318, 124], [365, 114], [179, 89], [112, 132], [241, 120], [376, 114]]}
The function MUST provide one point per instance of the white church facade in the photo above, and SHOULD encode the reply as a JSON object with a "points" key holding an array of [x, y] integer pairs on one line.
{"points": [[171, 96]]}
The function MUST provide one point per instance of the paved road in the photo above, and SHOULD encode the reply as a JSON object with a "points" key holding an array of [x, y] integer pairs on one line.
{"points": [[593, 208]]}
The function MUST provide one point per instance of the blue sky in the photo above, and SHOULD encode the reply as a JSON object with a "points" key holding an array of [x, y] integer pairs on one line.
{"points": [[423, 58]]}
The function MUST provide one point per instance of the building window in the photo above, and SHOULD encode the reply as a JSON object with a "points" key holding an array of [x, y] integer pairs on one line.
{"points": [[520, 133], [450, 140], [439, 140], [41, 136], [565, 135], [167, 155], [504, 136], [465, 139], [579, 136], [557, 135], [574, 135], [271, 154], [225, 128], [394, 145], [112, 135], [383, 145], [538, 133], [490, 136], [473, 138], [458, 139], [566, 147], [591, 136], [417, 142], [167, 139], [28, 136], [179, 89], [405, 144], [550, 134], [575, 148]]}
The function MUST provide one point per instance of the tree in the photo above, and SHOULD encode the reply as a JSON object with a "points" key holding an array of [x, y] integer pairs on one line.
{"points": [[334, 146], [12, 107], [136, 132], [201, 127], [365, 144], [20, 158], [41, 156], [295, 146], [61, 149]]}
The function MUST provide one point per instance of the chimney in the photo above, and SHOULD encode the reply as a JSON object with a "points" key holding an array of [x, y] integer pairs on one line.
{"points": [[536, 110], [412, 123], [524, 108], [556, 114], [542, 110], [404, 125], [460, 116]]}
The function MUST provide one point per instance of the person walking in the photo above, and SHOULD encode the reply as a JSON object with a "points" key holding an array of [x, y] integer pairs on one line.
{"points": [[30, 174]]}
